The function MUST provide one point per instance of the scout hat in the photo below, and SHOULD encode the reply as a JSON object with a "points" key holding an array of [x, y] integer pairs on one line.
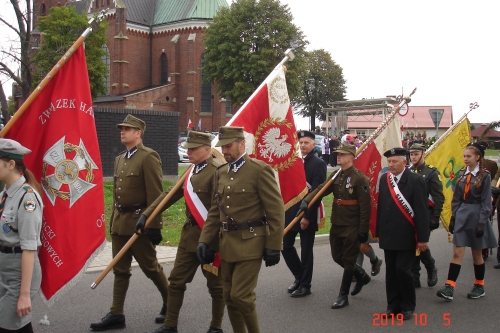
{"points": [[131, 121], [12, 149], [229, 134], [197, 139], [347, 149], [416, 147], [306, 134], [397, 151]]}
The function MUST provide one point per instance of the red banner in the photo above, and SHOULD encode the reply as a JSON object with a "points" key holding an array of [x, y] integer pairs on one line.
{"points": [[271, 135], [59, 128]]}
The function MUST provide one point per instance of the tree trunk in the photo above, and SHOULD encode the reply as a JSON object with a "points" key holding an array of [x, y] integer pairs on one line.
{"points": [[5, 105]]}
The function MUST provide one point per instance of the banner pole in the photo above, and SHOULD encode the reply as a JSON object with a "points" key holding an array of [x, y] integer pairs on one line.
{"points": [[445, 135], [93, 25]]}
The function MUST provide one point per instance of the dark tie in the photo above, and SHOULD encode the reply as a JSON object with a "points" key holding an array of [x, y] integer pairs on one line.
{"points": [[396, 180], [2, 202]]}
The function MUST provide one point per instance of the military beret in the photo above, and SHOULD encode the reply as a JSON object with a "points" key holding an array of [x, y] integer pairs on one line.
{"points": [[347, 149], [306, 134], [131, 121], [12, 149], [484, 144], [416, 147], [229, 134], [396, 151], [478, 146], [197, 139]]}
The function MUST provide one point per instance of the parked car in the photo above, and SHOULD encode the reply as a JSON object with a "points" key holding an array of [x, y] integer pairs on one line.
{"points": [[317, 149], [181, 140], [182, 152]]}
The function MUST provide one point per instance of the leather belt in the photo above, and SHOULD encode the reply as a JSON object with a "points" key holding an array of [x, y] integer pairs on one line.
{"points": [[472, 202], [127, 209], [8, 249], [343, 202], [228, 226]]}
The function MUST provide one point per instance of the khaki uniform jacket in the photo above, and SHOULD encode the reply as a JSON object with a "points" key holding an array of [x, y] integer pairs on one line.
{"points": [[350, 184], [202, 185], [434, 187], [246, 195], [137, 181]]}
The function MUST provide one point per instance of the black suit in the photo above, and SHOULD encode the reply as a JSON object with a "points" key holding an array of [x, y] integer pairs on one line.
{"points": [[302, 268], [397, 237]]}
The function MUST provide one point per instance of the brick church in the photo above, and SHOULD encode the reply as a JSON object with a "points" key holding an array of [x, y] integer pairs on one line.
{"points": [[155, 56]]}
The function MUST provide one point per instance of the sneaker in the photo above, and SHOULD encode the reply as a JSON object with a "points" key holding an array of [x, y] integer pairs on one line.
{"points": [[476, 292], [446, 292], [376, 267]]}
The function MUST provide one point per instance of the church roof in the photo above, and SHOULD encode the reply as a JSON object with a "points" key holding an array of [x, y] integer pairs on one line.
{"points": [[169, 11]]}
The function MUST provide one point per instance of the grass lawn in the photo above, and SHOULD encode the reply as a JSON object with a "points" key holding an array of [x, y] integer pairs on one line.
{"points": [[173, 218], [491, 152]]}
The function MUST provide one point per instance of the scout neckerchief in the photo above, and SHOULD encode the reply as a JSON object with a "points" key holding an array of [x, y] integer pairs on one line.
{"points": [[469, 174], [198, 211], [401, 203]]}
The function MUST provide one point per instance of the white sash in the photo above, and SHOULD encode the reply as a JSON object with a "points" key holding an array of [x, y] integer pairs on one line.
{"points": [[400, 197], [194, 203]]}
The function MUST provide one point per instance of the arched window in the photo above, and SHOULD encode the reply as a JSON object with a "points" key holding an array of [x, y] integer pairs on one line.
{"points": [[106, 60], [163, 69], [43, 10], [206, 91]]}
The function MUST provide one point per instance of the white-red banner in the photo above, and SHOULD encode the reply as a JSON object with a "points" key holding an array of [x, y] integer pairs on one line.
{"points": [[271, 135], [59, 128], [373, 164]]}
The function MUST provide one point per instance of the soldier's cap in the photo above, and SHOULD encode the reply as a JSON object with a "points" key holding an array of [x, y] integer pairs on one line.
{"points": [[347, 131], [306, 134], [229, 134], [396, 151], [197, 139], [12, 149], [416, 147], [131, 121], [347, 149], [478, 146]]}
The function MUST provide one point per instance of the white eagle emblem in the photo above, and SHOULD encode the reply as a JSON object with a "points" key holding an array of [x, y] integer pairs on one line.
{"points": [[274, 144]]}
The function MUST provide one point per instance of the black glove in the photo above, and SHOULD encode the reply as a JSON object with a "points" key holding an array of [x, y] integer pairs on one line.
{"points": [[434, 223], [451, 226], [479, 230], [271, 257], [495, 190], [155, 236], [302, 207], [204, 254], [140, 224], [362, 237]]}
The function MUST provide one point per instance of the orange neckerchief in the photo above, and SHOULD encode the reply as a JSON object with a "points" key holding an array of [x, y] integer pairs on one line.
{"points": [[467, 185]]}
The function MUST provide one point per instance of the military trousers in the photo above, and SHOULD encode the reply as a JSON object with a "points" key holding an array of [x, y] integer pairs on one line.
{"points": [[185, 266], [400, 290], [302, 269], [344, 245], [426, 258], [145, 254], [239, 280]]}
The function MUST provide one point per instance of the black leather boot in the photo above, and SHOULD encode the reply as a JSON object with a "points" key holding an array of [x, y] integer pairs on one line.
{"points": [[362, 279], [342, 299], [108, 322], [432, 276], [160, 318], [164, 329]]}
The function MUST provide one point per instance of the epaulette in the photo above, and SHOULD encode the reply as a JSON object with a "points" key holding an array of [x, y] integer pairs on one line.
{"points": [[431, 166], [488, 171], [258, 162], [27, 188]]}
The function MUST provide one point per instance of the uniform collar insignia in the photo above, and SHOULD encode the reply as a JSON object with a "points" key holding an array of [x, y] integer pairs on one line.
{"points": [[130, 152], [199, 167], [236, 165]]}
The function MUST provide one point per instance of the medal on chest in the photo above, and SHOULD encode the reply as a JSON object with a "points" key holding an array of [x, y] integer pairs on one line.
{"points": [[348, 186]]}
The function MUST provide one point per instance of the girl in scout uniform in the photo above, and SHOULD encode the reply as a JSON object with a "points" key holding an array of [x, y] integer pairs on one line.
{"points": [[471, 207], [20, 223]]}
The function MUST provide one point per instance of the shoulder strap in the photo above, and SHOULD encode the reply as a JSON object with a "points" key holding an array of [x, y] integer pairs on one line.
{"points": [[27, 188]]}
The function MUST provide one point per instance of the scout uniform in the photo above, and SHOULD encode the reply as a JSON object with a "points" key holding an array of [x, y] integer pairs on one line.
{"points": [[21, 222], [137, 184], [350, 216], [436, 201], [246, 219], [186, 263]]}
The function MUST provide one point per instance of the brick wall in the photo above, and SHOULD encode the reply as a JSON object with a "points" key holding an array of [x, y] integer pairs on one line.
{"points": [[161, 135]]}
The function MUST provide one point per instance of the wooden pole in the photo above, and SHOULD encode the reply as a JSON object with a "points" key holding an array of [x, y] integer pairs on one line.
{"points": [[132, 239]]}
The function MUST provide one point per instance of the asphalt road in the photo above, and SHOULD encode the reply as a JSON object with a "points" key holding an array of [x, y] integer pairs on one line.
{"points": [[280, 313]]}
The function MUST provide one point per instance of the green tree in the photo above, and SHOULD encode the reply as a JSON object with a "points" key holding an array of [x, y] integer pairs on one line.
{"points": [[61, 28], [323, 82], [245, 42]]}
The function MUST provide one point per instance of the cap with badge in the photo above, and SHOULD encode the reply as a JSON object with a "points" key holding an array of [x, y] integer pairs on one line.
{"points": [[229, 134], [131, 121], [416, 147], [478, 145], [306, 134], [347, 149], [12, 149], [197, 139], [397, 151]]}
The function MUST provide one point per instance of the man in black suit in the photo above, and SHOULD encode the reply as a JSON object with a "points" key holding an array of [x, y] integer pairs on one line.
{"points": [[334, 144], [402, 229], [302, 268]]}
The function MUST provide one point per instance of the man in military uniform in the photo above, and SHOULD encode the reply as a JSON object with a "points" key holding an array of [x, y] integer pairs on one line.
{"points": [[302, 269], [436, 201], [402, 228], [246, 222], [137, 184], [350, 221], [199, 191]]}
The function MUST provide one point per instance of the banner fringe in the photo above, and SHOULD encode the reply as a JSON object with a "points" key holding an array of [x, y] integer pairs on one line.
{"points": [[74, 280], [212, 269], [298, 198]]}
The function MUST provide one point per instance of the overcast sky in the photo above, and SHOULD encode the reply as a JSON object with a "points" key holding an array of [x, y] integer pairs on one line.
{"points": [[449, 50]]}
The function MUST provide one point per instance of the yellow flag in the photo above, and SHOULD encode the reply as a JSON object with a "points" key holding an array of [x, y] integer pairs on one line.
{"points": [[447, 156]]}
